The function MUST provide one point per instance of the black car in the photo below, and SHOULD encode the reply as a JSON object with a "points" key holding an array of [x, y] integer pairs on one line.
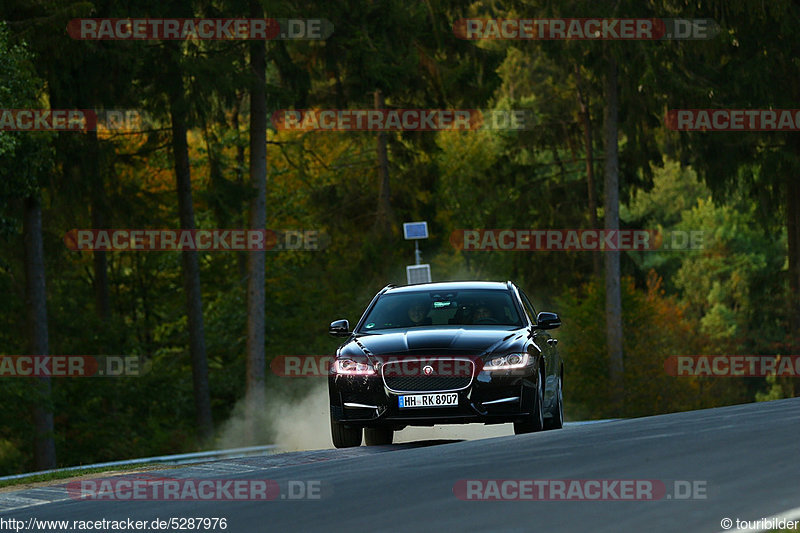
{"points": [[445, 353]]}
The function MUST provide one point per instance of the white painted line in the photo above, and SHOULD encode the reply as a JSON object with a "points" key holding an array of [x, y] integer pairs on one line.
{"points": [[26, 503], [587, 422], [184, 458], [647, 437]]}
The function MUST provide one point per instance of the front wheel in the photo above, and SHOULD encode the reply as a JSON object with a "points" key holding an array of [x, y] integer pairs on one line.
{"points": [[344, 436], [557, 420], [378, 436], [535, 420]]}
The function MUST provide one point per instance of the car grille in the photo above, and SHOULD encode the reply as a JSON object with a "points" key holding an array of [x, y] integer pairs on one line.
{"points": [[395, 381]]}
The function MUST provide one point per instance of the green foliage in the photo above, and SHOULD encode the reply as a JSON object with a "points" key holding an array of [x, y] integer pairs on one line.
{"points": [[24, 157], [777, 389], [731, 284], [655, 327], [11, 455]]}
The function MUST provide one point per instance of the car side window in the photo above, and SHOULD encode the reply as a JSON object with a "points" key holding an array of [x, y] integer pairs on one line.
{"points": [[526, 303]]}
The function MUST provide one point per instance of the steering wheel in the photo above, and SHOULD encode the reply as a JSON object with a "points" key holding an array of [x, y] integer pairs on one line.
{"points": [[487, 320]]}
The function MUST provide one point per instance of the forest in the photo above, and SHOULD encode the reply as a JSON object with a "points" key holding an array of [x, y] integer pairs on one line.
{"points": [[197, 134]]}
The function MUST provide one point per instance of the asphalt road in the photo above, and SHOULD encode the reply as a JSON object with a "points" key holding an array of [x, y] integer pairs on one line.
{"points": [[744, 457]]}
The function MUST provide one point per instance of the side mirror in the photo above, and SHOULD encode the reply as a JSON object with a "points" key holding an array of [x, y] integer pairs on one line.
{"points": [[545, 320], [339, 328]]}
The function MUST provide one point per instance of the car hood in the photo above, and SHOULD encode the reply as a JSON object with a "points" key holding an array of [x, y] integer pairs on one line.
{"points": [[438, 341]]}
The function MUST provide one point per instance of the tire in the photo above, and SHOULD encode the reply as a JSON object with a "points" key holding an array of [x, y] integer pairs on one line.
{"points": [[378, 436], [557, 420], [535, 421], [343, 436]]}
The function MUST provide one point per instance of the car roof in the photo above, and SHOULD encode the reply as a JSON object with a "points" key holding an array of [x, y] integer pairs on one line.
{"points": [[451, 286]]}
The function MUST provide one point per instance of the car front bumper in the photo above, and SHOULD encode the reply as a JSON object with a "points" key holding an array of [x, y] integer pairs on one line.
{"points": [[491, 397]]}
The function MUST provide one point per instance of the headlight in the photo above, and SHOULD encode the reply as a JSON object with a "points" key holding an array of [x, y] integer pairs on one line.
{"points": [[506, 362], [353, 368]]}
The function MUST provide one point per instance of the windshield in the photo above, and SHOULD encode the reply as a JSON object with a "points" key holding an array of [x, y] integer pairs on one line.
{"points": [[442, 308]]}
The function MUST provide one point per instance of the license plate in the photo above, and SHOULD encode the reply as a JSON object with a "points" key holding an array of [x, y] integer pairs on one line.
{"points": [[427, 400]]}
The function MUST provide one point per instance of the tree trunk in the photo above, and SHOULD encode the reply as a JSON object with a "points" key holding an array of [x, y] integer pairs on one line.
{"points": [[793, 234], [191, 268], [256, 394], [102, 300], [589, 150], [241, 259], [44, 448], [612, 258], [384, 218]]}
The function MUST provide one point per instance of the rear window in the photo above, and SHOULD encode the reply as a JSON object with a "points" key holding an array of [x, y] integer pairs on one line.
{"points": [[472, 307]]}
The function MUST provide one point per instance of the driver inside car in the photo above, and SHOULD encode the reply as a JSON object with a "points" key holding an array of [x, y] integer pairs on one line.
{"points": [[482, 312], [416, 314]]}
